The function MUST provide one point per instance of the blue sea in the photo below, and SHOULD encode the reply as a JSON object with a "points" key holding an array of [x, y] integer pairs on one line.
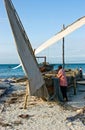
{"points": [[7, 71]]}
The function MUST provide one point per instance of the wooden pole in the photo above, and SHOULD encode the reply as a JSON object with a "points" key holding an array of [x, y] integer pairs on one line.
{"points": [[63, 58], [27, 94], [74, 85]]}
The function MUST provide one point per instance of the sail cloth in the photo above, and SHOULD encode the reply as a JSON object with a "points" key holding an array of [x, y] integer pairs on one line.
{"points": [[24, 49], [69, 29]]}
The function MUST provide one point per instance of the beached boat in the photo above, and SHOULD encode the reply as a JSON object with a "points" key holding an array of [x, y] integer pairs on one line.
{"points": [[45, 66], [25, 51]]}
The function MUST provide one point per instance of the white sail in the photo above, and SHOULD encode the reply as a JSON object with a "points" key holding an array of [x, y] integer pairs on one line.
{"points": [[69, 29], [16, 67], [24, 49]]}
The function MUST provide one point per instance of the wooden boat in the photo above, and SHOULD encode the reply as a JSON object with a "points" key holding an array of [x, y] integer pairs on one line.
{"points": [[25, 51]]}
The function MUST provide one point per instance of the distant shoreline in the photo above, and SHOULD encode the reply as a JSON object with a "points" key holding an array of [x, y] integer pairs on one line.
{"points": [[48, 62]]}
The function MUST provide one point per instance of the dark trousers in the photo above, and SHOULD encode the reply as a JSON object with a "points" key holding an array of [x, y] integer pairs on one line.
{"points": [[64, 92]]}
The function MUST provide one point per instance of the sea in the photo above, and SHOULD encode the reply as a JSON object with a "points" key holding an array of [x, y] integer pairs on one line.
{"points": [[7, 71]]}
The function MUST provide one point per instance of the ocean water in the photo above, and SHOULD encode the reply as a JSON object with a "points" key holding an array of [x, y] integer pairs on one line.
{"points": [[7, 71], [73, 66]]}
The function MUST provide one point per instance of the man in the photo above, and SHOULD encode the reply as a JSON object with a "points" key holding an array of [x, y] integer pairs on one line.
{"points": [[80, 70], [63, 82]]}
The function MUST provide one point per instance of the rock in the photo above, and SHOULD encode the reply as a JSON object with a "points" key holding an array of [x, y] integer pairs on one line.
{"points": [[24, 116]]}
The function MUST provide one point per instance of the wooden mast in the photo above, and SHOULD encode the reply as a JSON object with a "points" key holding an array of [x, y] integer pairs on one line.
{"points": [[63, 58]]}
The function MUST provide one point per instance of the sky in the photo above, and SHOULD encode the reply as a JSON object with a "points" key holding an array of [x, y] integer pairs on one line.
{"points": [[42, 19]]}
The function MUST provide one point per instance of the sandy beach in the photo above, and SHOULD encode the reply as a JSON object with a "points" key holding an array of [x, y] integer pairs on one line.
{"points": [[39, 115]]}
